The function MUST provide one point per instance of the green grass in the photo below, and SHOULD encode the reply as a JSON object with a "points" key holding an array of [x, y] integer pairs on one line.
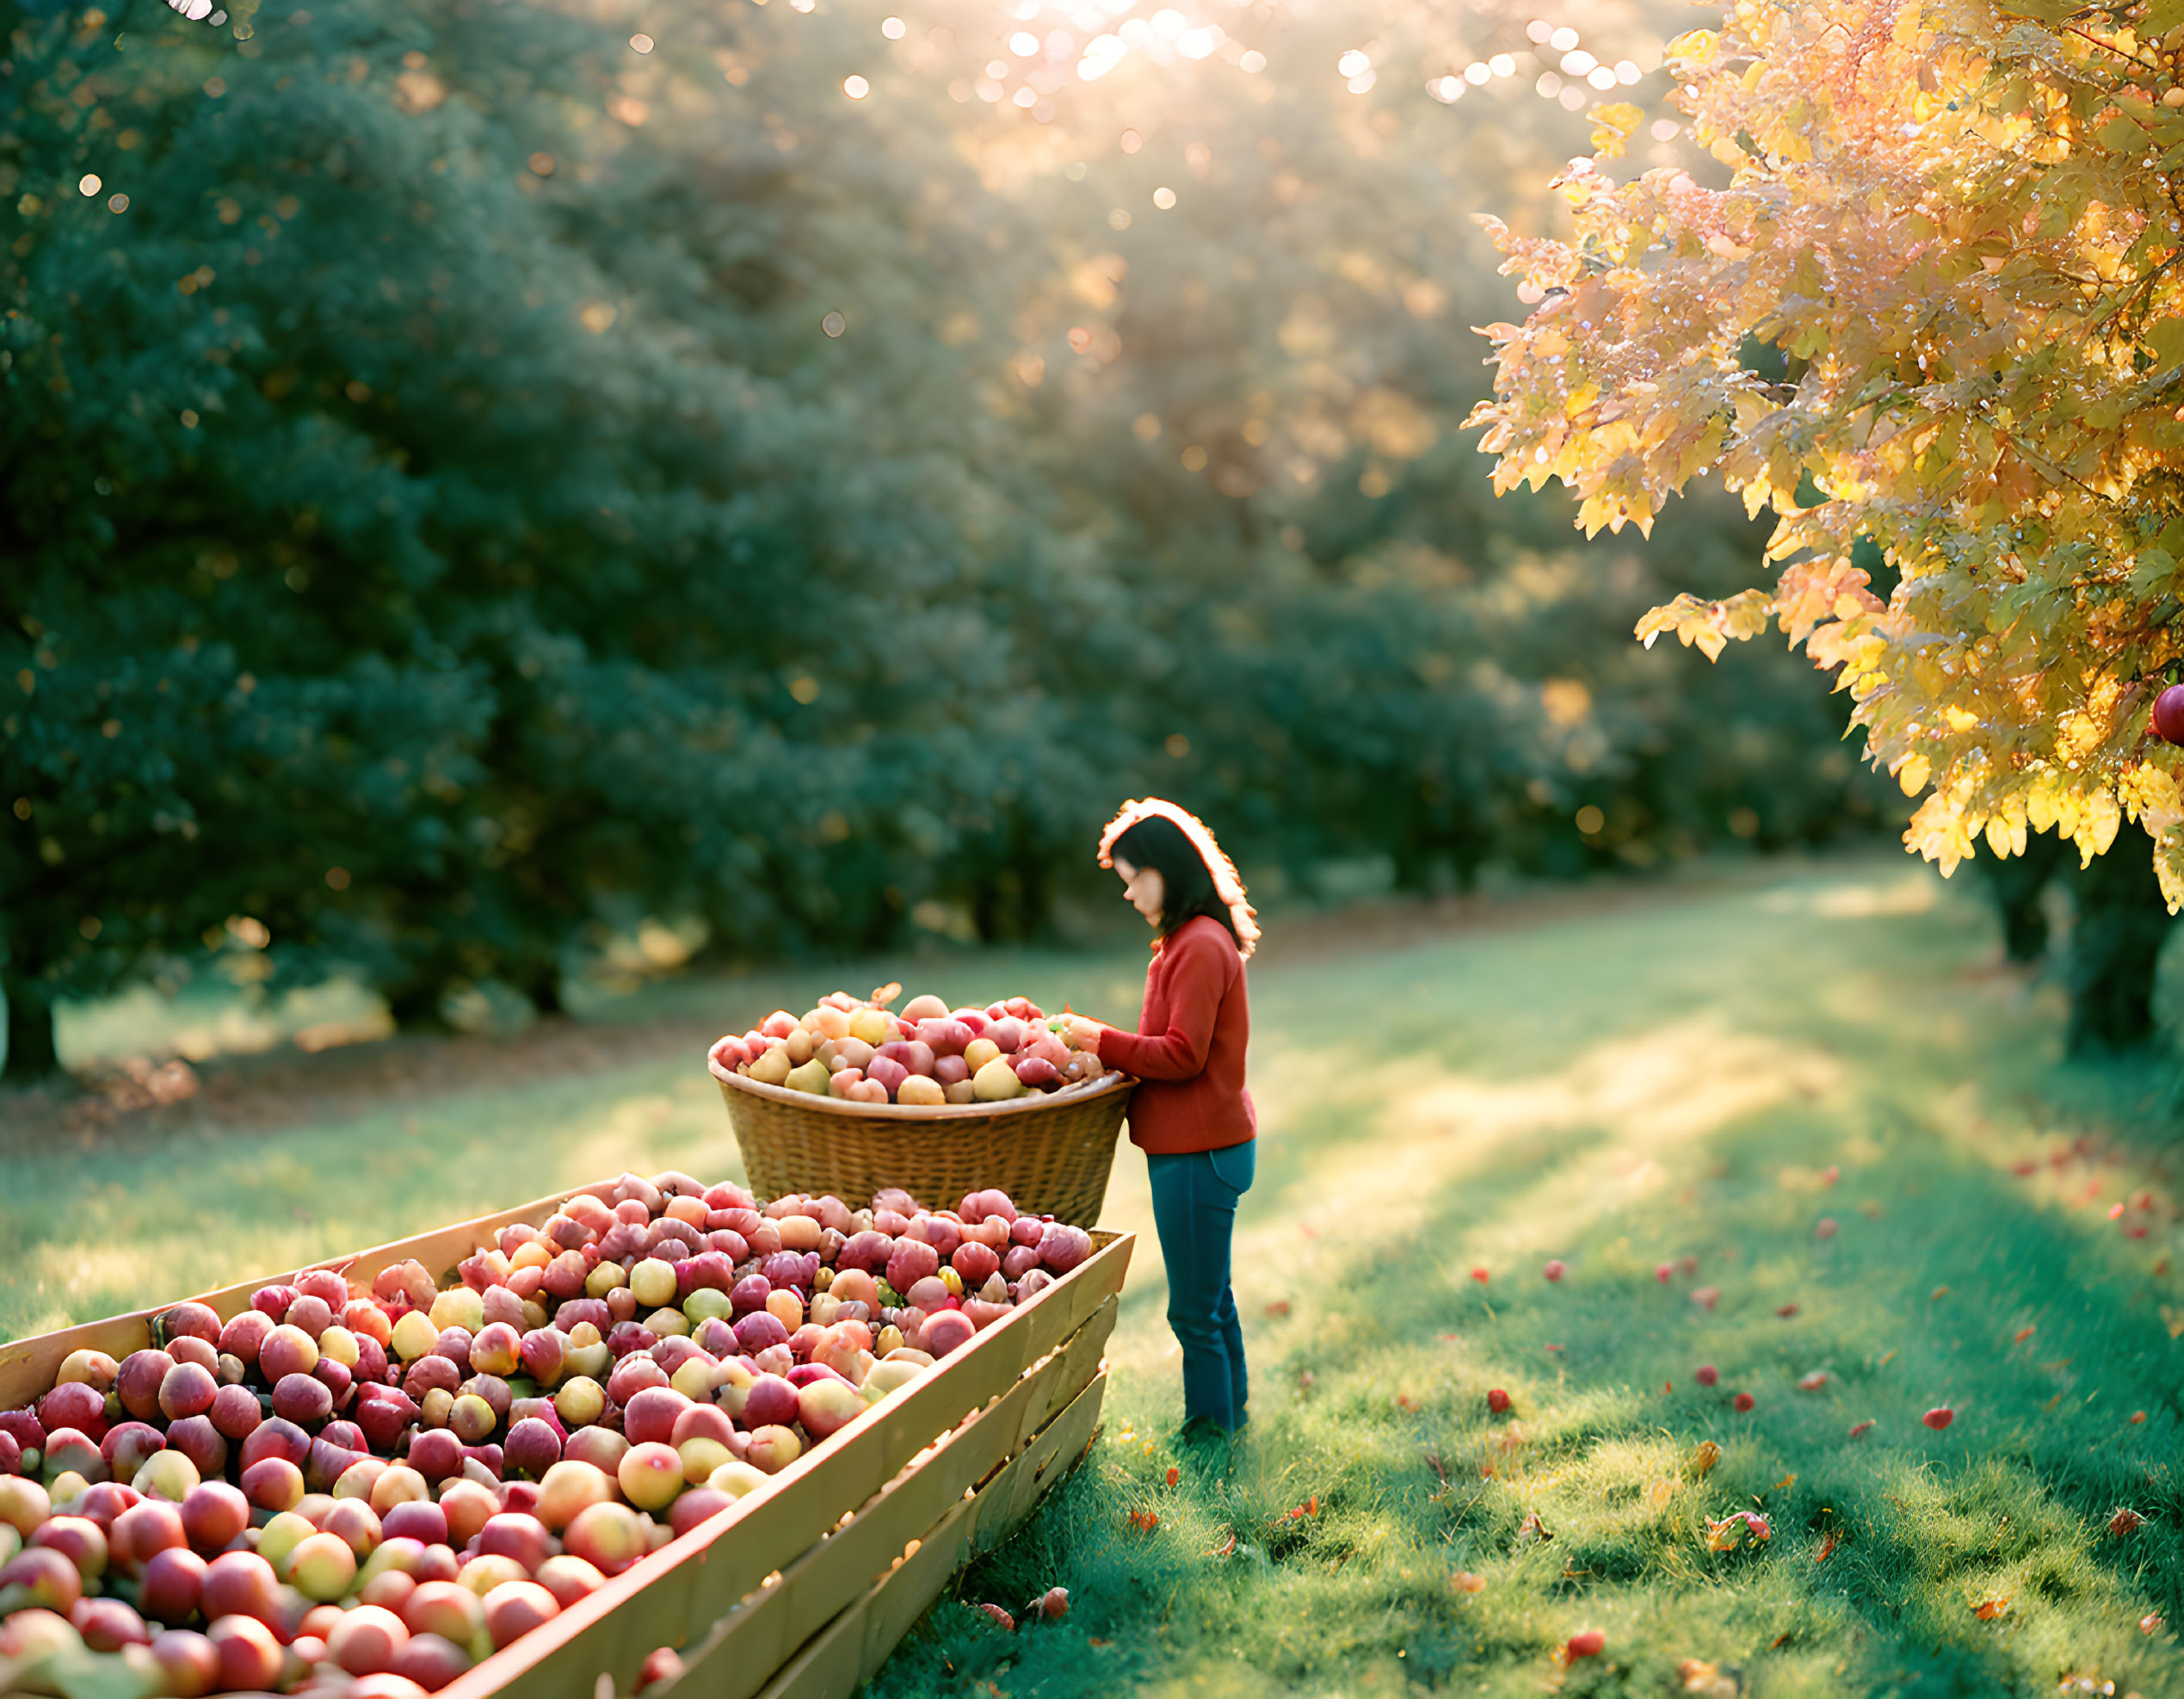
{"points": [[1619, 1090]]}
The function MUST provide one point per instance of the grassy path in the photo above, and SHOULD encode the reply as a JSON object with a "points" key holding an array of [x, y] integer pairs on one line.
{"points": [[1701, 1084], [1703, 1088]]}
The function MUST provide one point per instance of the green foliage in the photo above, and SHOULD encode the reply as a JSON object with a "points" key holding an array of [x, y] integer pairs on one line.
{"points": [[444, 526]]}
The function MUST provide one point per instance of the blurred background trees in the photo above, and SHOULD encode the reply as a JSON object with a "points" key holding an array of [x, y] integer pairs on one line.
{"points": [[482, 476]]}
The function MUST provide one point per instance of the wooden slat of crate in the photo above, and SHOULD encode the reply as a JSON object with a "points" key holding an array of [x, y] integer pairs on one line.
{"points": [[676, 1594], [745, 1648], [849, 1651]]}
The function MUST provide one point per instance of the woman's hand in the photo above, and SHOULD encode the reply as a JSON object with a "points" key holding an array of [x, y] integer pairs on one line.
{"points": [[1084, 1034]]}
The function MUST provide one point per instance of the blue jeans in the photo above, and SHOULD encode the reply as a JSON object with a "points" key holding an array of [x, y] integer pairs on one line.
{"points": [[1194, 1198]]}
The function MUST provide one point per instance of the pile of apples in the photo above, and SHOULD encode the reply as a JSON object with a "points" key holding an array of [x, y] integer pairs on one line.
{"points": [[860, 1050], [364, 1490]]}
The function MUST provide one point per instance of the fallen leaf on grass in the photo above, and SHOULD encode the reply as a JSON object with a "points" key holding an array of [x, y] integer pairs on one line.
{"points": [[1825, 1228], [1787, 1310], [2023, 1334], [1828, 1543], [1813, 1382], [1703, 1456], [1531, 1531], [1707, 1296], [2151, 1623], [1858, 1428], [2125, 1521], [1786, 1482], [1144, 1519], [1465, 1582], [1000, 1618], [1227, 1545], [2137, 1417], [1726, 1534], [1940, 1292], [1279, 1306], [1987, 1610], [1699, 1677], [1658, 1492]]}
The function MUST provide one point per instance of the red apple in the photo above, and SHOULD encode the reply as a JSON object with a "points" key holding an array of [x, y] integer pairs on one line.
{"points": [[108, 1624], [368, 1640], [236, 1412], [78, 1539], [651, 1414], [274, 1484], [2168, 715], [142, 1532], [570, 1578], [213, 1514], [431, 1662], [191, 1321], [250, 1656], [239, 1583], [515, 1607], [444, 1607], [609, 1537], [172, 1583], [197, 1439], [521, 1537], [128, 1445]]}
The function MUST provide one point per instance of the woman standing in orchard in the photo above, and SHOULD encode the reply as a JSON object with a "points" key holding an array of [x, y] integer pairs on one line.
{"points": [[1191, 1115]]}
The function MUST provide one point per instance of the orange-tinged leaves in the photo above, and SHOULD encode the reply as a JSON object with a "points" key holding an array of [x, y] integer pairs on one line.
{"points": [[1916, 195], [1987, 1610], [1464, 1581], [1826, 1548], [1703, 1456]]}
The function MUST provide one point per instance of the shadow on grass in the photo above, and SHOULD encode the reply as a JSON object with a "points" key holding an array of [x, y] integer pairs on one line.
{"points": [[1736, 1081]]}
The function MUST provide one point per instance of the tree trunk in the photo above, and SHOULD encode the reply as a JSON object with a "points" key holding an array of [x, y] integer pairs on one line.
{"points": [[543, 987], [415, 1006], [2017, 884], [2114, 947], [31, 1054]]}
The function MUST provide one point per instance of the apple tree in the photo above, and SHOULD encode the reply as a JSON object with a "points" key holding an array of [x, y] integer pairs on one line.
{"points": [[1931, 315]]}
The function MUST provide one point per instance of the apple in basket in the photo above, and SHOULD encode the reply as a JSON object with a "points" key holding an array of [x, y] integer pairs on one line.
{"points": [[858, 1050]]}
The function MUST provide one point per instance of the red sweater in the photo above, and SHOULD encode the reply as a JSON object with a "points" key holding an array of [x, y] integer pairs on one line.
{"points": [[1188, 1048]]}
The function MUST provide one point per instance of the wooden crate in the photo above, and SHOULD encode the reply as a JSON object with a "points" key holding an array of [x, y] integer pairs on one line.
{"points": [[849, 1651], [677, 1595], [745, 1648]]}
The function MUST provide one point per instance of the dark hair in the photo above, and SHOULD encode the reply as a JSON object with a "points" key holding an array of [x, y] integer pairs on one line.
{"points": [[1187, 883]]}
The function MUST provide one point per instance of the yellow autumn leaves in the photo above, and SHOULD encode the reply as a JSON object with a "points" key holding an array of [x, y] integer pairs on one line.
{"points": [[1951, 237]]}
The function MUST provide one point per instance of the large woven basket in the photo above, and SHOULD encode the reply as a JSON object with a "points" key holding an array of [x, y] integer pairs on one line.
{"points": [[1050, 1153]]}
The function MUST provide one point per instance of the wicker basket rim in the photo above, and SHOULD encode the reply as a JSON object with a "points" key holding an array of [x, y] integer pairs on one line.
{"points": [[808, 1100]]}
